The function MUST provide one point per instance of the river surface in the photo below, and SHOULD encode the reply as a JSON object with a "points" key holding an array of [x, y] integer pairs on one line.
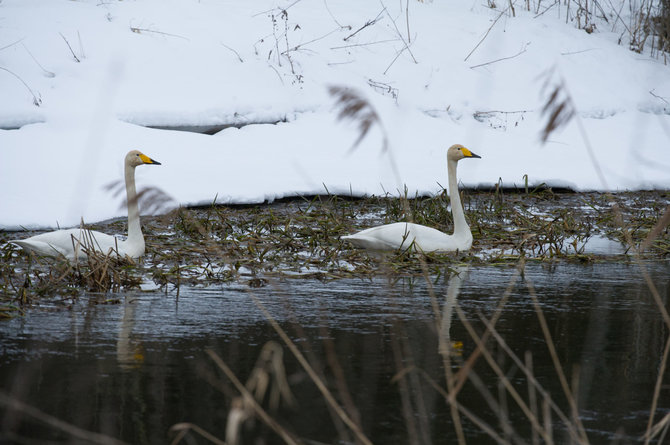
{"points": [[132, 365]]}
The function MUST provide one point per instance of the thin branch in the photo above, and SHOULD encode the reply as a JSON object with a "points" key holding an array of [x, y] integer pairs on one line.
{"points": [[249, 398], [409, 37], [399, 34], [466, 412], [485, 35], [182, 428], [36, 101], [46, 71], [501, 376], [71, 50], [231, 49], [657, 392], [325, 3], [503, 58], [547, 9], [11, 44], [556, 361], [394, 59], [270, 10], [484, 113], [470, 362], [658, 97], [312, 374], [141, 30], [81, 46], [13, 404], [577, 52], [353, 45], [532, 381], [368, 23], [277, 72], [297, 47]]}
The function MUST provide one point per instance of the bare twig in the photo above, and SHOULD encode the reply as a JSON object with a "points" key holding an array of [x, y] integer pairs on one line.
{"points": [[297, 47], [312, 374], [570, 53], [402, 383], [547, 8], [658, 97], [71, 50], [368, 23], [384, 88], [11, 44], [267, 11], [399, 35], [235, 52], [183, 428], [325, 3], [13, 404], [501, 375], [46, 71], [485, 113], [532, 397], [470, 362], [466, 412], [556, 361], [353, 45], [533, 384], [395, 58], [249, 398], [37, 101], [485, 35], [523, 50], [652, 429], [409, 37], [284, 16], [278, 75], [81, 46], [660, 428], [138, 30]]}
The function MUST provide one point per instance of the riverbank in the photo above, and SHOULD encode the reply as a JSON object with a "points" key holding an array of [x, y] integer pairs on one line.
{"points": [[299, 237]]}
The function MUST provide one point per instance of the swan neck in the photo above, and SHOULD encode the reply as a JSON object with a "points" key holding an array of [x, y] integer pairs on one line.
{"points": [[134, 229], [460, 224]]}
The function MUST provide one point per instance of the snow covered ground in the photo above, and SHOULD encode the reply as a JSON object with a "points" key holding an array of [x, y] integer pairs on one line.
{"points": [[437, 73]]}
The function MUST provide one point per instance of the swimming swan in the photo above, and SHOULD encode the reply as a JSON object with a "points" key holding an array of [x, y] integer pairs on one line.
{"points": [[403, 234], [70, 243]]}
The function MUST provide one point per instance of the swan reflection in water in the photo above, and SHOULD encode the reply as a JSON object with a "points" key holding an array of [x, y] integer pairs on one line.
{"points": [[129, 352], [446, 345]]}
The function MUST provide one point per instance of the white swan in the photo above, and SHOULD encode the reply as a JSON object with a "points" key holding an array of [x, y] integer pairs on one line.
{"points": [[71, 243], [401, 235]]}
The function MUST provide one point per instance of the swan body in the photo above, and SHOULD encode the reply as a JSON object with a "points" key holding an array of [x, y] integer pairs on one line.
{"points": [[72, 243], [402, 235]]}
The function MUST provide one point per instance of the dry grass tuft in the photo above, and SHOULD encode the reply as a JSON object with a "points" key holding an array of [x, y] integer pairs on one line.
{"points": [[353, 106], [558, 107]]}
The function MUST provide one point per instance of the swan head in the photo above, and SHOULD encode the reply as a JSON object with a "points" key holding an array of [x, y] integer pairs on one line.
{"points": [[457, 152], [136, 157]]}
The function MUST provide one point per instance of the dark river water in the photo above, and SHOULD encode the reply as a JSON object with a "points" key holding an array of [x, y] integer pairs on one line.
{"points": [[132, 365]]}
